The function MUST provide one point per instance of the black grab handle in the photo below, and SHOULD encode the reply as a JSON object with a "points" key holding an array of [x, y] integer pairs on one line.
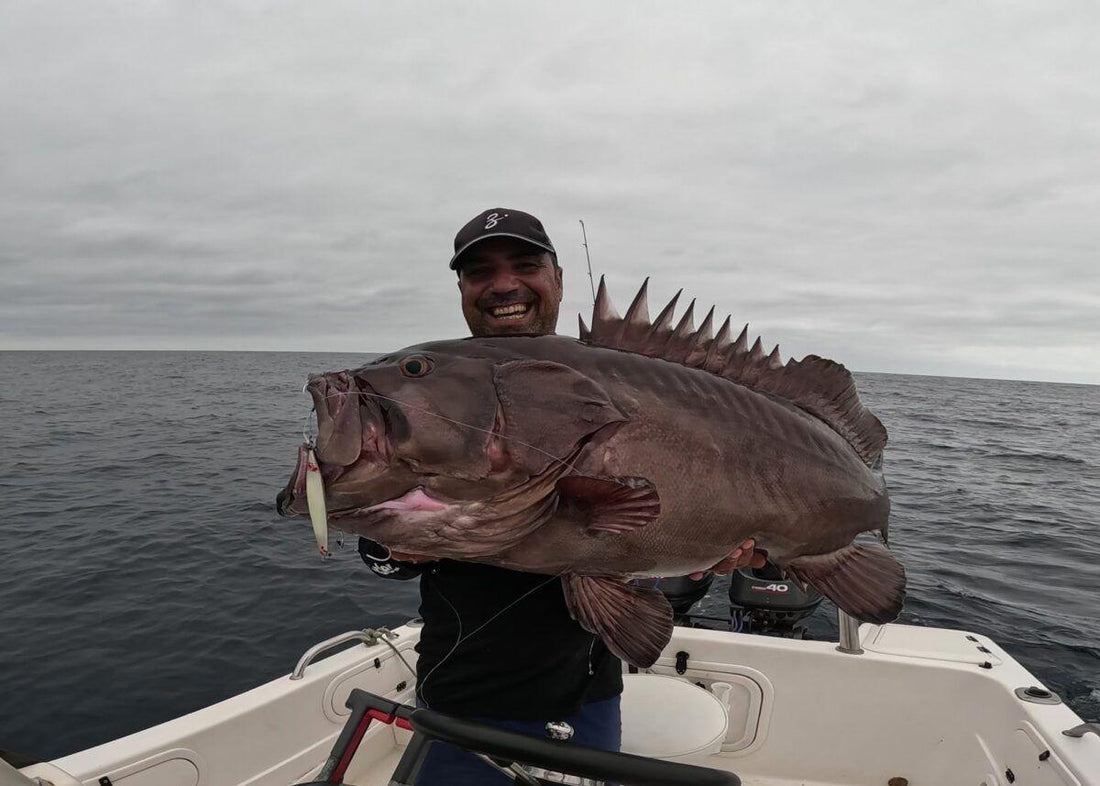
{"points": [[566, 757], [510, 746]]}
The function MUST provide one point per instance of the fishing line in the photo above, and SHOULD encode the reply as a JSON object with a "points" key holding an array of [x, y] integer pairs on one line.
{"points": [[397, 652], [421, 684], [309, 439]]}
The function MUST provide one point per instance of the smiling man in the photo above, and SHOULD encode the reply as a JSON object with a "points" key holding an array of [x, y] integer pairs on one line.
{"points": [[500, 645], [508, 274]]}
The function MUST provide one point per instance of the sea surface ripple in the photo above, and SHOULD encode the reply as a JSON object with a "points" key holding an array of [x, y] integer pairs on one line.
{"points": [[146, 574]]}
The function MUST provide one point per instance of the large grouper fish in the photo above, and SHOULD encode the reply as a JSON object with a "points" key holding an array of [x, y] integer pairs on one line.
{"points": [[642, 449]]}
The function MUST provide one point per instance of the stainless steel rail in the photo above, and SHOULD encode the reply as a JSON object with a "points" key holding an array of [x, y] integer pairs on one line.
{"points": [[849, 634], [369, 637]]}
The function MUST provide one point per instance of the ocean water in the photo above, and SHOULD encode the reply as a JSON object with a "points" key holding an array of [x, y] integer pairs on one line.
{"points": [[144, 573]]}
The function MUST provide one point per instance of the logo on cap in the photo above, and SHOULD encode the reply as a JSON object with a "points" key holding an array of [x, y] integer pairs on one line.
{"points": [[500, 221]]}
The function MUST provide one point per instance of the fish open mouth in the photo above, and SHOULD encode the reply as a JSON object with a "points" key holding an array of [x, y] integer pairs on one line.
{"points": [[295, 489], [292, 500], [353, 441]]}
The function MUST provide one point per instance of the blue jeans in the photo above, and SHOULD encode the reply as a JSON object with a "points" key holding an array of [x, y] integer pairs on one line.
{"points": [[597, 725]]}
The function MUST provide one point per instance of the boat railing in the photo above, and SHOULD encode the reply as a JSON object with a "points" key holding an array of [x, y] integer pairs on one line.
{"points": [[849, 634], [368, 636]]}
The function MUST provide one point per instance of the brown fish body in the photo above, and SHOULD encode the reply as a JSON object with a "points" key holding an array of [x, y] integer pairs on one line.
{"points": [[639, 450], [729, 464]]}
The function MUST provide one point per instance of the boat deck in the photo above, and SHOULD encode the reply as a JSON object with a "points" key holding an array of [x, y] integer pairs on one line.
{"points": [[919, 706]]}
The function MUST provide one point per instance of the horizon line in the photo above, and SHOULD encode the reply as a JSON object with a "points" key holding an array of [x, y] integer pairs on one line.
{"points": [[353, 352]]}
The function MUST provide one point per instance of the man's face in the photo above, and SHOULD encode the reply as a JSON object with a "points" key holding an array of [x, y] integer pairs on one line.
{"points": [[509, 286]]}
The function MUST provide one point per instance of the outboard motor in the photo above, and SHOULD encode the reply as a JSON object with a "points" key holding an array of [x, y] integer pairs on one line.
{"points": [[762, 601], [682, 592]]}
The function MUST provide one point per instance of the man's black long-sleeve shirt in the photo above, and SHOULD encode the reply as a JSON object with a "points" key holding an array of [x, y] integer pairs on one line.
{"points": [[530, 661]]}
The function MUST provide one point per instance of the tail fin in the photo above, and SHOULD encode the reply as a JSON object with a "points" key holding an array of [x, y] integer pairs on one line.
{"points": [[865, 581]]}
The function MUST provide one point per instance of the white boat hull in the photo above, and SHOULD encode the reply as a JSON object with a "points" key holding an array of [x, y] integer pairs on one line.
{"points": [[926, 705]]}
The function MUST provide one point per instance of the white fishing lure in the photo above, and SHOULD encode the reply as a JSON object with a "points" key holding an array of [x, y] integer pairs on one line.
{"points": [[315, 498]]}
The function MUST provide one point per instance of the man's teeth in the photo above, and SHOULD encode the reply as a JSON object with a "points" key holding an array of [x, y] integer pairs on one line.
{"points": [[514, 311]]}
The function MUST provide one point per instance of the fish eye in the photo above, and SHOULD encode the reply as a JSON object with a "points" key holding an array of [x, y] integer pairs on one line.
{"points": [[415, 366]]}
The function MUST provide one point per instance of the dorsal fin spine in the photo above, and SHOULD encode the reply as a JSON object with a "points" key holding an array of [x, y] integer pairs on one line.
{"points": [[635, 325], [605, 319], [664, 319], [821, 387], [742, 342], [700, 341], [657, 342], [705, 332], [638, 313], [686, 326], [718, 349], [680, 341]]}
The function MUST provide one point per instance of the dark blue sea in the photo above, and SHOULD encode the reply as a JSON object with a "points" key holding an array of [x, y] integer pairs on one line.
{"points": [[144, 573]]}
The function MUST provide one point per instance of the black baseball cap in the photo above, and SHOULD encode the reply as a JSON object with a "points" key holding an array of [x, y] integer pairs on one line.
{"points": [[501, 222]]}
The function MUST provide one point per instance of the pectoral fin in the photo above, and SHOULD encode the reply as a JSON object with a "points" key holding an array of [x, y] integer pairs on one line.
{"points": [[865, 581], [610, 504], [634, 622]]}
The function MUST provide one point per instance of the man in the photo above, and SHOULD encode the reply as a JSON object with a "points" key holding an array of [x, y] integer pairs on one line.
{"points": [[499, 645]]}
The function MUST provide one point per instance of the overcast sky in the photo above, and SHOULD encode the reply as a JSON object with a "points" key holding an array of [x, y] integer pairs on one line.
{"points": [[903, 187]]}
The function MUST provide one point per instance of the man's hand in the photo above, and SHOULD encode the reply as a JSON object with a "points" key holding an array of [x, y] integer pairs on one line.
{"points": [[743, 557]]}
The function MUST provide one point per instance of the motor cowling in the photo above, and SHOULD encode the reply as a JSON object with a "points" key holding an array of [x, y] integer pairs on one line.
{"points": [[762, 600], [682, 592]]}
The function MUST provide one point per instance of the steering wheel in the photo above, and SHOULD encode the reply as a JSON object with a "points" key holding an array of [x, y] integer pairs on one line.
{"points": [[504, 748]]}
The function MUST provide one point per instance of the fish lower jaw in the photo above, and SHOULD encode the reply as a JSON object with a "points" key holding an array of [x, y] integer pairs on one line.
{"points": [[415, 501]]}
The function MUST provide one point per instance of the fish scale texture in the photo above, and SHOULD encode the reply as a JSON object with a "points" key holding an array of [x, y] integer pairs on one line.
{"points": [[728, 463], [666, 449], [819, 386]]}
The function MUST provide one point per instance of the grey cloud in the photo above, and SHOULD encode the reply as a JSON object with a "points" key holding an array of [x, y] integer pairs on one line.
{"points": [[905, 187]]}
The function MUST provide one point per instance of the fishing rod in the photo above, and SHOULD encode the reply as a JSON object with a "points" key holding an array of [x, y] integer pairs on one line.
{"points": [[591, 281]]}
